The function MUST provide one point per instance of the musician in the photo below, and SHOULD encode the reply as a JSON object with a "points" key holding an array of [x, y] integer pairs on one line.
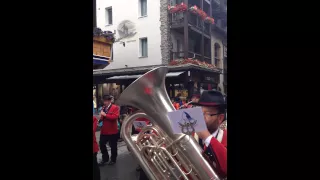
{"points": [[176, 103], [96, 169], [215, 139], [195, 98], [109, 130]]}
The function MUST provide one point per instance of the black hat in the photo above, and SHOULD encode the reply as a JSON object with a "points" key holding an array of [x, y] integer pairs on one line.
{"points": [[107, 97], [211, 98], [195, 95]]}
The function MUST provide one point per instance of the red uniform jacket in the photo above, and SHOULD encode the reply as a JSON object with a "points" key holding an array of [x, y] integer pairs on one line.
{"points": [[142, 119], [176, 105], [110, 122], [219, 151], [95, 144]]}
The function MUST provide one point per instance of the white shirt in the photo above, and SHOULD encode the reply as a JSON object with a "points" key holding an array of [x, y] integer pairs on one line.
{"points": [[208, 140], [218, 134]]}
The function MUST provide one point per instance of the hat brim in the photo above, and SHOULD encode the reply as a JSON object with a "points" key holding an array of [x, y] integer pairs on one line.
{"points": [[208, 104]]}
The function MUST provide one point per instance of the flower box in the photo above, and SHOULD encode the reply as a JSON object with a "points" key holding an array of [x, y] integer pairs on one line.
{"points": [[209, 20], [191, 61], [177, 8]]}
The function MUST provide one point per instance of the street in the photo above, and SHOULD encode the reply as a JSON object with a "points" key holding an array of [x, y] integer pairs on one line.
{"points": [[124, 169]]}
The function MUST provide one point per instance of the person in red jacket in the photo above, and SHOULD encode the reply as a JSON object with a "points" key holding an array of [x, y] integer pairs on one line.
{"points": [[176, 103], [214, 139], [109, 130], [96, 170]]}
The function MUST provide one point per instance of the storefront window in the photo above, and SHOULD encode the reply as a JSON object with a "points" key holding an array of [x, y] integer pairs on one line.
{"points": [[180, 91], [106, 89]]}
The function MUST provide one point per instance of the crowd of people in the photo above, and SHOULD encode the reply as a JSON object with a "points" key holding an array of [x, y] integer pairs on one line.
{"points": [[213, 140]]}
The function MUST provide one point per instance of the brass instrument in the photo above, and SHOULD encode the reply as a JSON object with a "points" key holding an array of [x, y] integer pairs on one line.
{"points": [[162, 154]]}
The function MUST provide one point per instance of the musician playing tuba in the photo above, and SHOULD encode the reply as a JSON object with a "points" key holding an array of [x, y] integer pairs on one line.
{"points": [[214, 139], [161, 153]]}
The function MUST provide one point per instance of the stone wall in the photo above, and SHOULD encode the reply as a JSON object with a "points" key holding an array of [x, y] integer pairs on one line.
{"points": [[166, 44]]}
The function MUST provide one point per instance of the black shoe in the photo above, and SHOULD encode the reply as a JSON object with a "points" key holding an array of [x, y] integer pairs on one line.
{"points": [[111, 163], [102, 163]]}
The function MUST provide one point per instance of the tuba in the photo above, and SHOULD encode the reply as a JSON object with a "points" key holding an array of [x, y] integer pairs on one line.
{"points": [[162, 154]]}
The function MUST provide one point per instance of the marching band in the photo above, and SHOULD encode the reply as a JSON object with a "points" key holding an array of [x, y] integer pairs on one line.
{"points": [[213, 140]]}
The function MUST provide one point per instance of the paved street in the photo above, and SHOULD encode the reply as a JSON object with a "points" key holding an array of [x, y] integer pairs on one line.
{"points": [[124, 169]]}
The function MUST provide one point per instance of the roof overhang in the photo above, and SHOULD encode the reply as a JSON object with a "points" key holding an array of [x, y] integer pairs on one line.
{"points": [[171, 74], [100, 62], [100, 59], [144, 69]]}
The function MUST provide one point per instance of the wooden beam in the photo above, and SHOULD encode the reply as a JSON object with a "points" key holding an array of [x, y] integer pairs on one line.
{"points": [[186, 31], [202, 32]]}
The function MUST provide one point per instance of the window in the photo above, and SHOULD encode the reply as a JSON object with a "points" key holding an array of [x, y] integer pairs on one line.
{"points": [[143, 8], [216, 54], [109, 16], [143, 47], [179, 49], [178, 45]]}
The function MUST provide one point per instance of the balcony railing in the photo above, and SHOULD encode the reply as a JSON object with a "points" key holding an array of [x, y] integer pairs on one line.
{"points": [[177, 20], [193, 55], [180, 55], [195, 21]]}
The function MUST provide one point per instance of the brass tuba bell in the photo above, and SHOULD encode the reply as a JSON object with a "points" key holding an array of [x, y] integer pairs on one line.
{"points": [[161, 153]]}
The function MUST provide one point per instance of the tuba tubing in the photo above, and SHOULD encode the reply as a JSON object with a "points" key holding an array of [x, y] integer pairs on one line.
{"points": [[156, 157], [126, 135]]}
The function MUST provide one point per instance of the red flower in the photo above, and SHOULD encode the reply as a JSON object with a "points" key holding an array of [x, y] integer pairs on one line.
{"points": [[202, 14], [209, 20], [177, 8], [194, 9]]}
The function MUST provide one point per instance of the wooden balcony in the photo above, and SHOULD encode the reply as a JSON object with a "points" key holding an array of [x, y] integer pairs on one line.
{"points": [[194, 22]]}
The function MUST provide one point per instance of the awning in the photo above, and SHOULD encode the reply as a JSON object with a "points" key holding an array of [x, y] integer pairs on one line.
{"points": [[100, 60], [171, 74]]}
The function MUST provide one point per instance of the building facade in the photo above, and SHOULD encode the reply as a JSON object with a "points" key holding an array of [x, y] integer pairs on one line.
{"points": [[169, 32], [137, 30]]}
